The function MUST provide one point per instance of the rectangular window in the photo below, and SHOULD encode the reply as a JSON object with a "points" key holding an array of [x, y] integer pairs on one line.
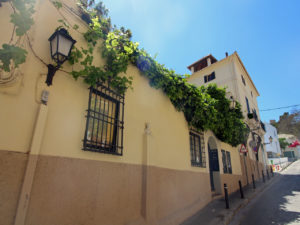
{"points": [[197, 149], [243, 80], [226, 160], [104, 124], [209, 77], [225, 170], [255, 114], [247, 103]]}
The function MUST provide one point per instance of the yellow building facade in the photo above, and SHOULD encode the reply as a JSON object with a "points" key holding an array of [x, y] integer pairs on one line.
{"points": [[48, 177], [231, 73]]}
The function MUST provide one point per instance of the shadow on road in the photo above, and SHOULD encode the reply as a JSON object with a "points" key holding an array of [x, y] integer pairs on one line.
{"points": [[279, 204]]}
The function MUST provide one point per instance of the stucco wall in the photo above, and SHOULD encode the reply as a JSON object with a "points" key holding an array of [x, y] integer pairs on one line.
{"points": [[72, 186], [274, 146], [12, 168], [77, 191], [224, 75], [245, 90], [151, 183]]}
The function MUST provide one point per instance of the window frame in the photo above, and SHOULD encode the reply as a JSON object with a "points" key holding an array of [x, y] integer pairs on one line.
{"points": [[210, 77], [248, 106], [243, 80], [115, 120], [201, 150], [226, 160]]}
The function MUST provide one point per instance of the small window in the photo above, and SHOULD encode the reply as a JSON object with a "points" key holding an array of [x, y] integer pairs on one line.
{"points": [[255, 114], [104, 123], [197, 149], [251, 94], [209, 77], [226, 160], [225, 170], [247, 103], [243, 80]]}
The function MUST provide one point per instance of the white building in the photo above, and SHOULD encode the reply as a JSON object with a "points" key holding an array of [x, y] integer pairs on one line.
{"points": [[273, 148], [293, 153]]}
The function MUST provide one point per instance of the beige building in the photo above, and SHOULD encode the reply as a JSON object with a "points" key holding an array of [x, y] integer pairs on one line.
{"points": [[91, 156], [231, 73]]}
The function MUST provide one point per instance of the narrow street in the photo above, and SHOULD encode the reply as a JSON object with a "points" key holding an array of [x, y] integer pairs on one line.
{"points": [[278, 204]]}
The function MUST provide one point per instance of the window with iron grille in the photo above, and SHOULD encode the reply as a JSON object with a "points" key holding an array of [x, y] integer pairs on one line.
{"points": [[226, 160], [104, 123], [197, 149]]}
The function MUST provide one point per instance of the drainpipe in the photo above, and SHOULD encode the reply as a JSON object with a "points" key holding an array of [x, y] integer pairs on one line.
{"points": [[148, 201], [32, 161]]}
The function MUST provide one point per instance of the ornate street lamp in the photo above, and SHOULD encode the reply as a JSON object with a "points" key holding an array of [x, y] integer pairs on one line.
{"points": [[270, 141], [61, 44]]}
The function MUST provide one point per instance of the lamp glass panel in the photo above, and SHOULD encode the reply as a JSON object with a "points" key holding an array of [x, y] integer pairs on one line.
{"points": [[54, 45], [64, 45]]}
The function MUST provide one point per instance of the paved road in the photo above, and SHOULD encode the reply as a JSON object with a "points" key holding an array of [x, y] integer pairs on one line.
{"points": [[278, 204]]}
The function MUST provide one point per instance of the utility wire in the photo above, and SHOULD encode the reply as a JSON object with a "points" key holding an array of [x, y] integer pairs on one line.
{"points": [[279, 108]]}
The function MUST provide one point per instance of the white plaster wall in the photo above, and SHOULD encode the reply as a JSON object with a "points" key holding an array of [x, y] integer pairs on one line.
{"points": [[274, 146]]}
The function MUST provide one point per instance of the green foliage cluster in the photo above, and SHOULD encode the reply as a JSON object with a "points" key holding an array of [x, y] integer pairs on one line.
{"points": [[10, 53], [204, 107], [22, 20], [283, 143], [116, 49]]}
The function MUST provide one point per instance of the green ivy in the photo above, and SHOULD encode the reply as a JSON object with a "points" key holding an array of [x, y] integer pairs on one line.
{"points": [[22, 20], [205, 108], [10, 53]]}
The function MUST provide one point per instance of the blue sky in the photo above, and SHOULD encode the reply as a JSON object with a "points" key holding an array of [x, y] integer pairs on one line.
{"points": [[265, 33]]}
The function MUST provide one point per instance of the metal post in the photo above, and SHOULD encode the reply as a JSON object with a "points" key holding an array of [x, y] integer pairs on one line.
{"points": [[253, 181], [226, 196], [263, 176], [268, 174], [272, 172], [245, 164], [241, 189]]}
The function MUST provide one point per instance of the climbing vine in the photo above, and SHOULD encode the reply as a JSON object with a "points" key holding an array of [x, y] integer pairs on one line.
{"points": [[12, 54], [204, 107]]}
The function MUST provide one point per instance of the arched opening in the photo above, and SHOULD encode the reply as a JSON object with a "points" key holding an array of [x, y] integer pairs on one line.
{"points": [[214, 168]]}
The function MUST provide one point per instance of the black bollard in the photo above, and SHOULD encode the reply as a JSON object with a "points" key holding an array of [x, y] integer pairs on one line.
{"points": [[268, 174], [263, 176], [241, 189], [226, 196], [272, 172], [253, 181]]}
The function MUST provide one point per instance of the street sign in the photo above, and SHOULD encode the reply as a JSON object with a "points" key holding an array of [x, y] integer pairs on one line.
{"points": [[243, 149]]}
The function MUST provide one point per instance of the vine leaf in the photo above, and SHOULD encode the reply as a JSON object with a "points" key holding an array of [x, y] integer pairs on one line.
{"points": [[57, 4], [21, 18], [10, 53], [75, 27]]}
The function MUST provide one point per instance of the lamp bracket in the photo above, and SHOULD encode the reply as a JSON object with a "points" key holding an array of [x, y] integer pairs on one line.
{"points": [[51, 72]]}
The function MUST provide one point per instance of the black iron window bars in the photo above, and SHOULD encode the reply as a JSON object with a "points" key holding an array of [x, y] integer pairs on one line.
{"points": [[105, 121], [197, 149]]}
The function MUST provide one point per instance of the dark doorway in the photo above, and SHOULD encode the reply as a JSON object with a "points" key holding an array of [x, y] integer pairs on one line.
{"points": [[214, 169]]}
